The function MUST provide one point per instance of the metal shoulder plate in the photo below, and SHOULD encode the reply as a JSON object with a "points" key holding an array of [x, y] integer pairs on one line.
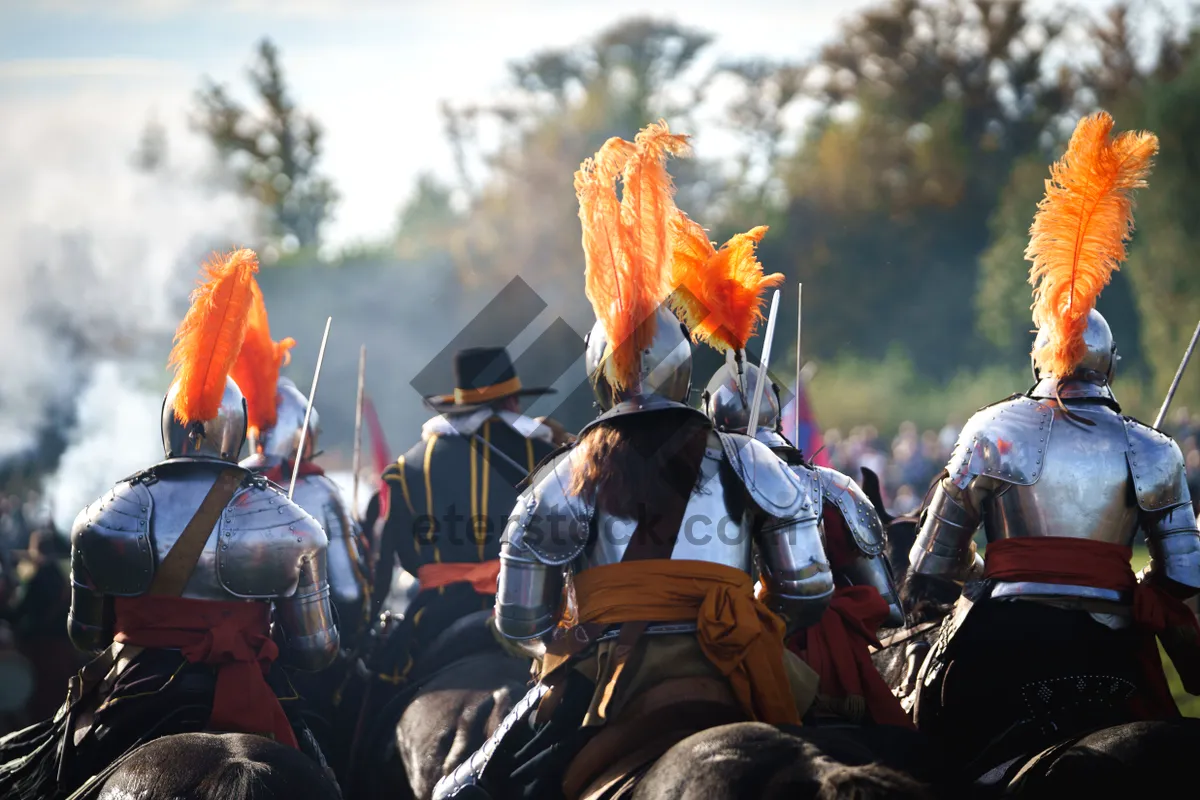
{"points": [[771, 483], [1157, 466], [856, 510], [265, 539], [1005, 441], [111, 538], [548, 520]]}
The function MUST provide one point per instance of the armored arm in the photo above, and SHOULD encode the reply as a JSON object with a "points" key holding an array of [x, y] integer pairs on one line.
{"points": [[795, 568], [855, 541], [307, 619], [547, 530], [1164, 510], [943, 549], [86, 618]]}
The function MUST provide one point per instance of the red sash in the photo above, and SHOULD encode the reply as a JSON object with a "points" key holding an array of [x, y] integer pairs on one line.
{"points": [[232, 636], [837, 650], [481, 575], [281, 473], [1082, 562]]}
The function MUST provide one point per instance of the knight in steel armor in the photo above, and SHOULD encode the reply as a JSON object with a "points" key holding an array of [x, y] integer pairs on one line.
{"points": [[276, 410], [853, 537], [650, 524], [1060, 634], [175, 573]]}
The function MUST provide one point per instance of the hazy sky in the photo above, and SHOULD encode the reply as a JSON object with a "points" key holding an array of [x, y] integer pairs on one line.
{"points": [[372, 72]]}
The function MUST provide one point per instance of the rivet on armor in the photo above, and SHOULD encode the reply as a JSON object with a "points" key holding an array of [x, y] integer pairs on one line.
{"points": [[299, 539]]}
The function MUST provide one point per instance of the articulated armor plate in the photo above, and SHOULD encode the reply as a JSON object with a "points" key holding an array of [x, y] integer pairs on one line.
{"points": [[666, 364], [320, 497], [869, 567], [283, 439], [264, 547], [221, 437], [857, 512], [552, 528], [1005, 441], [1025, 468]]}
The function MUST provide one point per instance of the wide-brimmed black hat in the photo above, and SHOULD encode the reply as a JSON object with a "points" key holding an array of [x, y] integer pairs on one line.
{"points": [[482, 375]]}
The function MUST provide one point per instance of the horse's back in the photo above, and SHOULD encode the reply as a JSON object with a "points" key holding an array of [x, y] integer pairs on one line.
{"points": [[455, 712], [1138, 759], [752, 759], [226, 766]]}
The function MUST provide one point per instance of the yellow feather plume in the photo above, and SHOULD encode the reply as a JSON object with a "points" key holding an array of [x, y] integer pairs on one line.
{"points": [[626, 241], [1078, 235], [208, 340], [718, 293]]}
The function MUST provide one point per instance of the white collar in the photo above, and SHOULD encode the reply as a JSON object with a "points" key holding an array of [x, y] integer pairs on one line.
{"points": [[466, 424]]}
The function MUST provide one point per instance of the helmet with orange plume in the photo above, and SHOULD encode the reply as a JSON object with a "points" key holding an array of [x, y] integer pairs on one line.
{"points": [[204, 412], [638, 355], [1077, 241], [718, 293], [276, 407]]}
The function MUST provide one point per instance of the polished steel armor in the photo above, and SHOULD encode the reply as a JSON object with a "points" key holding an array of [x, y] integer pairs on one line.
{"points": [[220, 437], [322, 499], [727, 405], [1099, 360], [1029, 467], [282, 440], [552, 529], [727, 398], [666, 365], [264, 547]]}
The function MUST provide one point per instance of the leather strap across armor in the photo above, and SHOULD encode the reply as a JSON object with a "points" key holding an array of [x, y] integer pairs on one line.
{"points": [[654, 537], [177, 566]]}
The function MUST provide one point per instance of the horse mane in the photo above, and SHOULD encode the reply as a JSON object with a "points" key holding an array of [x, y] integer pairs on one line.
{"points": [[628, 464]]}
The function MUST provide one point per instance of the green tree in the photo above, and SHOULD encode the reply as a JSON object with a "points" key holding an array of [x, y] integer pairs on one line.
{"points": [[521, 216], [273, 153], [926, 107]]}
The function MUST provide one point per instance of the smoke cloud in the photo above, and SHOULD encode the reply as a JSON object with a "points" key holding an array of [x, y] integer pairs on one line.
{"points": [[96, 261]]}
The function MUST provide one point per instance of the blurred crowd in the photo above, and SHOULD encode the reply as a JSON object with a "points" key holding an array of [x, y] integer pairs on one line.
{"points": [[36, 655], [909, 462]]}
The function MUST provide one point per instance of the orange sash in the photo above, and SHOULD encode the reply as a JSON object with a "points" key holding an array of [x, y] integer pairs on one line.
{"points": [[738, 634], [481, 575], [232, 636], [1082, 562]]}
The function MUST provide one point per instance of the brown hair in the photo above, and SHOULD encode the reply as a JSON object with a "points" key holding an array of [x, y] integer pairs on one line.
{"points": [[629, 463]]}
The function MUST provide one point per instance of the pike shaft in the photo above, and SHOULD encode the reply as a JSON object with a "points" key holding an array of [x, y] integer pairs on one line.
{"points": [[308, 411], [799, 363], [1187, 356], [358, 418], [760, 385]]}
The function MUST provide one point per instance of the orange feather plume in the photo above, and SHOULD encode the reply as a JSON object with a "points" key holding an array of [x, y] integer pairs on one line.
{"points": [[1078, 235], [256, 370], [626, 241], [719, 293], [211, 334]]}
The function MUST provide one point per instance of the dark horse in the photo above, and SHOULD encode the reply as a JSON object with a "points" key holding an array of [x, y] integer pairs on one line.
{"points": [[460, 689], [205, 766]]}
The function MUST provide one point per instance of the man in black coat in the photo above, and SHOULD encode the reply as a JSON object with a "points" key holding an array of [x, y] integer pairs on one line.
{"points": [[451, 494]]}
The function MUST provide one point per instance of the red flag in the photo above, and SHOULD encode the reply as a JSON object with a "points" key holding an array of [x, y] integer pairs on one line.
{"points": [[379, 451]]}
